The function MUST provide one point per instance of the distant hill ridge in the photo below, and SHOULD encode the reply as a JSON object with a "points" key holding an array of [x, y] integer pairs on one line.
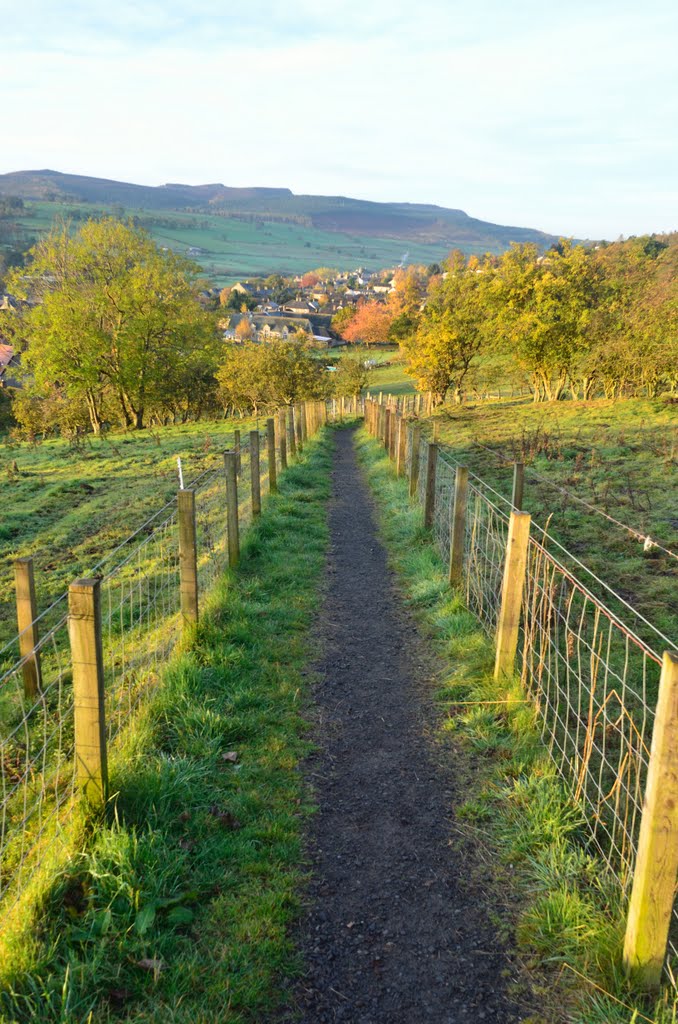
{"points": [[410, 222]]}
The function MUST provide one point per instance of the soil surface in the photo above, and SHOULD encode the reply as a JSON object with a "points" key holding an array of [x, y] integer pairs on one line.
{"points": [[398, 927]]}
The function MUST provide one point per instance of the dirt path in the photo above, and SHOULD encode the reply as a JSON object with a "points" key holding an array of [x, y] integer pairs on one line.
{"points": [[394, 932]]}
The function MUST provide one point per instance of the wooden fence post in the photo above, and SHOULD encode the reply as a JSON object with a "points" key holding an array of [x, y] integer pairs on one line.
{"points": [[518, 481], [654, 878], [26, 614], [231, 470], [188, 557], [297, 423], [255, 473], [237, 449], [430, 498], [272, 468], [414, 460], [304, 421], [400, 433], [393, 436], [84, 631], [457, 525], [291, 433], [282, 435], [512, 593]]}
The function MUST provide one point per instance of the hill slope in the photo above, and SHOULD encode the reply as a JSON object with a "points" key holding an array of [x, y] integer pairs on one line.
{"points": [[249, 230]]}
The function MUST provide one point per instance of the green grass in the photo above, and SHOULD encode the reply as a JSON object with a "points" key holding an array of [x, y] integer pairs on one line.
{"points": [[621, 457], [392, 380], [563, 912], [69, 506], [234, 248], [177, 907]]}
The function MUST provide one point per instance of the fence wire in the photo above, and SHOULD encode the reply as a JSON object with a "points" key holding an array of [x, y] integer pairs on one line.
{"points": [[36, 763], [594, 684], [210, 526], [444, 503], [140, 622], [592, 680]]}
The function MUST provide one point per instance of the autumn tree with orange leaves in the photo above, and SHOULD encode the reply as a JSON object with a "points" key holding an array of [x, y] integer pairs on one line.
{"points": [[370, 325]]}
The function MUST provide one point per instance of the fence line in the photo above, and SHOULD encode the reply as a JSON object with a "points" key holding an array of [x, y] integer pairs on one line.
{"points": [[592, 680], [140, 594]]}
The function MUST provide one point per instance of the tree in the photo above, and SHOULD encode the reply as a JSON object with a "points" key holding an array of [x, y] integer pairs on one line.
{"points": [[116, 319], [406, 302], [342, 318], [351, 376], [543, 311], [451, 331], [244, 330], [267, 376], [309, 280], [370, 325]]}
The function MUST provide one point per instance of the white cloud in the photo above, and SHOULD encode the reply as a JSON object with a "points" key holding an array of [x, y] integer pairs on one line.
{"points": [[544, 118]]}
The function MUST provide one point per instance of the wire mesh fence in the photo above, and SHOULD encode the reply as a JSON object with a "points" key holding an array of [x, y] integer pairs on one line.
{"points": [[485, 539], [591, 678], [140, 622], [594, 684], [139, 585], [37, 768]]}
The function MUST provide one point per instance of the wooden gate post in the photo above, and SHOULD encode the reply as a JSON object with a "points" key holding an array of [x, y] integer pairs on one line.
{"points": [[272, 468], [231, 470], [26, 614], [282, 435], [457, 525], [188, 557], [654, 878], [518, 481], [430, 498], [84, 631], [414, 460], [255, 473], [512, 593]]}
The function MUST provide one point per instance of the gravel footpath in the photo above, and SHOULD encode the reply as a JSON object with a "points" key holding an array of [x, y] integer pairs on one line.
{"points": [[397, 927]]}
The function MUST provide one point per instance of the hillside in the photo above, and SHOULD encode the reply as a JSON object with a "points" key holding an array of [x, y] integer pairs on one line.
{"points": [[254, 230]]}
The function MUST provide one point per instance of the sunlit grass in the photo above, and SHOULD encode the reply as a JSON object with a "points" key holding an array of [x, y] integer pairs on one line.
{"points": [[565, 913], [178, 904]]}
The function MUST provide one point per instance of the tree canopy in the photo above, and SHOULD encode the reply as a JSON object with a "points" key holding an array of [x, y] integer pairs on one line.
{"points": [[117, 323]]}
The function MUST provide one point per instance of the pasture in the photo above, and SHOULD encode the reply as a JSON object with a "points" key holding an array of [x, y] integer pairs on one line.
{"points": [[235, 247], [619, 457], [68, 506]]}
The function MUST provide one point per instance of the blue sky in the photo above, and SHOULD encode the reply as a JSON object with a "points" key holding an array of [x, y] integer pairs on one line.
{"points": [[561, 117]]}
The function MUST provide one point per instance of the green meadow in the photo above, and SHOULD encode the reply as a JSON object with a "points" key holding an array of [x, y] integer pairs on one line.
{"points": [[620, 457], [68, 506], [234, 247]]}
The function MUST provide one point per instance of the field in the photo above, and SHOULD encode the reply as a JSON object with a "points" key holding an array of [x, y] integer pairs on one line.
{"points": [[233, 247], [70, 506], [620, 457]]}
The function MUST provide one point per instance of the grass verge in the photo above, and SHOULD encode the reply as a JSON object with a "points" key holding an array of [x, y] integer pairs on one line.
{"points": [[177, 907], [564, 914]]}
